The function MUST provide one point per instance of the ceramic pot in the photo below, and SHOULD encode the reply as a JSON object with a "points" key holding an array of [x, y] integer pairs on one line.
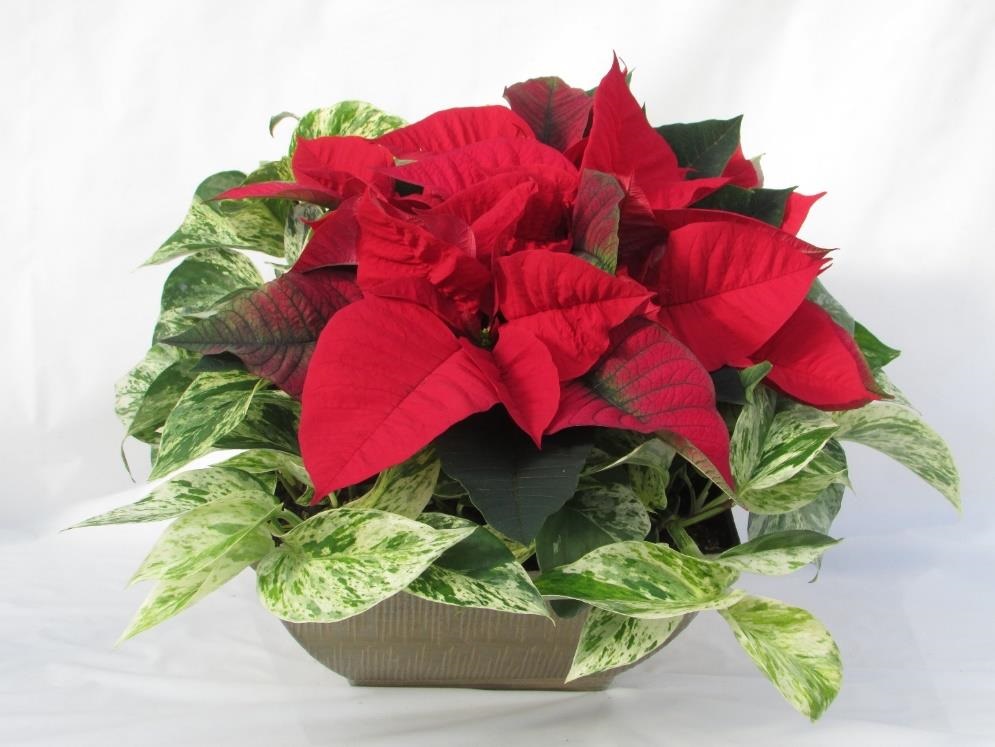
{"points": [[406, 641]]}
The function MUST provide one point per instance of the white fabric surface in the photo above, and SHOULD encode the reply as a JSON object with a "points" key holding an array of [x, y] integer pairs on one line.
{"points": [[114, 111]]}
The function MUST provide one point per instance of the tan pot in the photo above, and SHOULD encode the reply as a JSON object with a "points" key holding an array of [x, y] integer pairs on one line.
{"points": [[409, 642]]}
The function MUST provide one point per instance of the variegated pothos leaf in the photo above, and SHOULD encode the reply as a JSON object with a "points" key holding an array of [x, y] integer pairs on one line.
{"points": [[826, 469], [792, 648], [262, 461], [479, 571], [198, 283], [131, 388], [210, 408], [345, 118], [404, 489], [199, 537], [182, 493], [817, 515], [242, 224], [172, 596], [901, 433], [339, 563], [642, 579], [778, 553], [610, 640]]}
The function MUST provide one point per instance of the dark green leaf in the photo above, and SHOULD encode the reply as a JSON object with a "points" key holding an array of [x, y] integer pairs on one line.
{"points": [[705, 147], [511, 482], [763, 204], [876, 353]]}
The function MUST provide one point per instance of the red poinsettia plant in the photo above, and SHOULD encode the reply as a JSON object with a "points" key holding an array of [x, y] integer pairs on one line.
{"points": [[550, 335]]}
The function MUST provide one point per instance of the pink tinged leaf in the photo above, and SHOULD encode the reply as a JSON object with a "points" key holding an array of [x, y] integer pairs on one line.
{"points": [[448, 173], [796, 211], [557, 113], [742, 172], [273, 329], [649, 382], [817, 362], [725, 288], [386, 378], [568, 304], [522, 372], [454, 128], [393, 245], [596, 219], [333, 239]]}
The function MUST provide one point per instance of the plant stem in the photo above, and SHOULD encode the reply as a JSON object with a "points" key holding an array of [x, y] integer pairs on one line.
{"points": [[682, 539], [710, 509]]}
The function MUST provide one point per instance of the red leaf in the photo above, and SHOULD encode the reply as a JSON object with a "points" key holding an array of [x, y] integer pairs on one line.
{"points": [[273, 329], [386, 378], [454, 128], [817, 362], [333, 239], [392, 246], [596, 219], [557, 113], [567, 303], [648, 382], [522, 372], [305, 191], [493, 209], [725, 288], [342, 164], [742, 172], [326, 170], [796, 210], [446, 174], [623, 143]]}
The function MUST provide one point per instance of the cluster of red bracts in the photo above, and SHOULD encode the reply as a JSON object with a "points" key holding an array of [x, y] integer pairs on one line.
{"points": [[544, 258]]}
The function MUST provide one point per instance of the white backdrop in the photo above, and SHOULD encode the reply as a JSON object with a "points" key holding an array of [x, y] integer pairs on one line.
{"points": [[113, 112]]}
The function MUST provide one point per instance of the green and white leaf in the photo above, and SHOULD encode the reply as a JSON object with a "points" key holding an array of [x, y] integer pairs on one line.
{"points": [[649, 485], [826, 469], [345, 118], [183, 493], [271, 422], [609, 640], [642, 579], [479, 571], [902, 434], [792, 648], [131, 388], [750, 434], [404, 489], [817, 515], [795, 437], [777, 554], [231, 224], [211, 407], [160, 399], [199, 537], [172, 596], [340, 563], [263, 461], [198, 283]]}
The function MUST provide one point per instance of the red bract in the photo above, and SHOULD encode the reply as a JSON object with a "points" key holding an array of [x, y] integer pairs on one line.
{"points": [[550, 259]]}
